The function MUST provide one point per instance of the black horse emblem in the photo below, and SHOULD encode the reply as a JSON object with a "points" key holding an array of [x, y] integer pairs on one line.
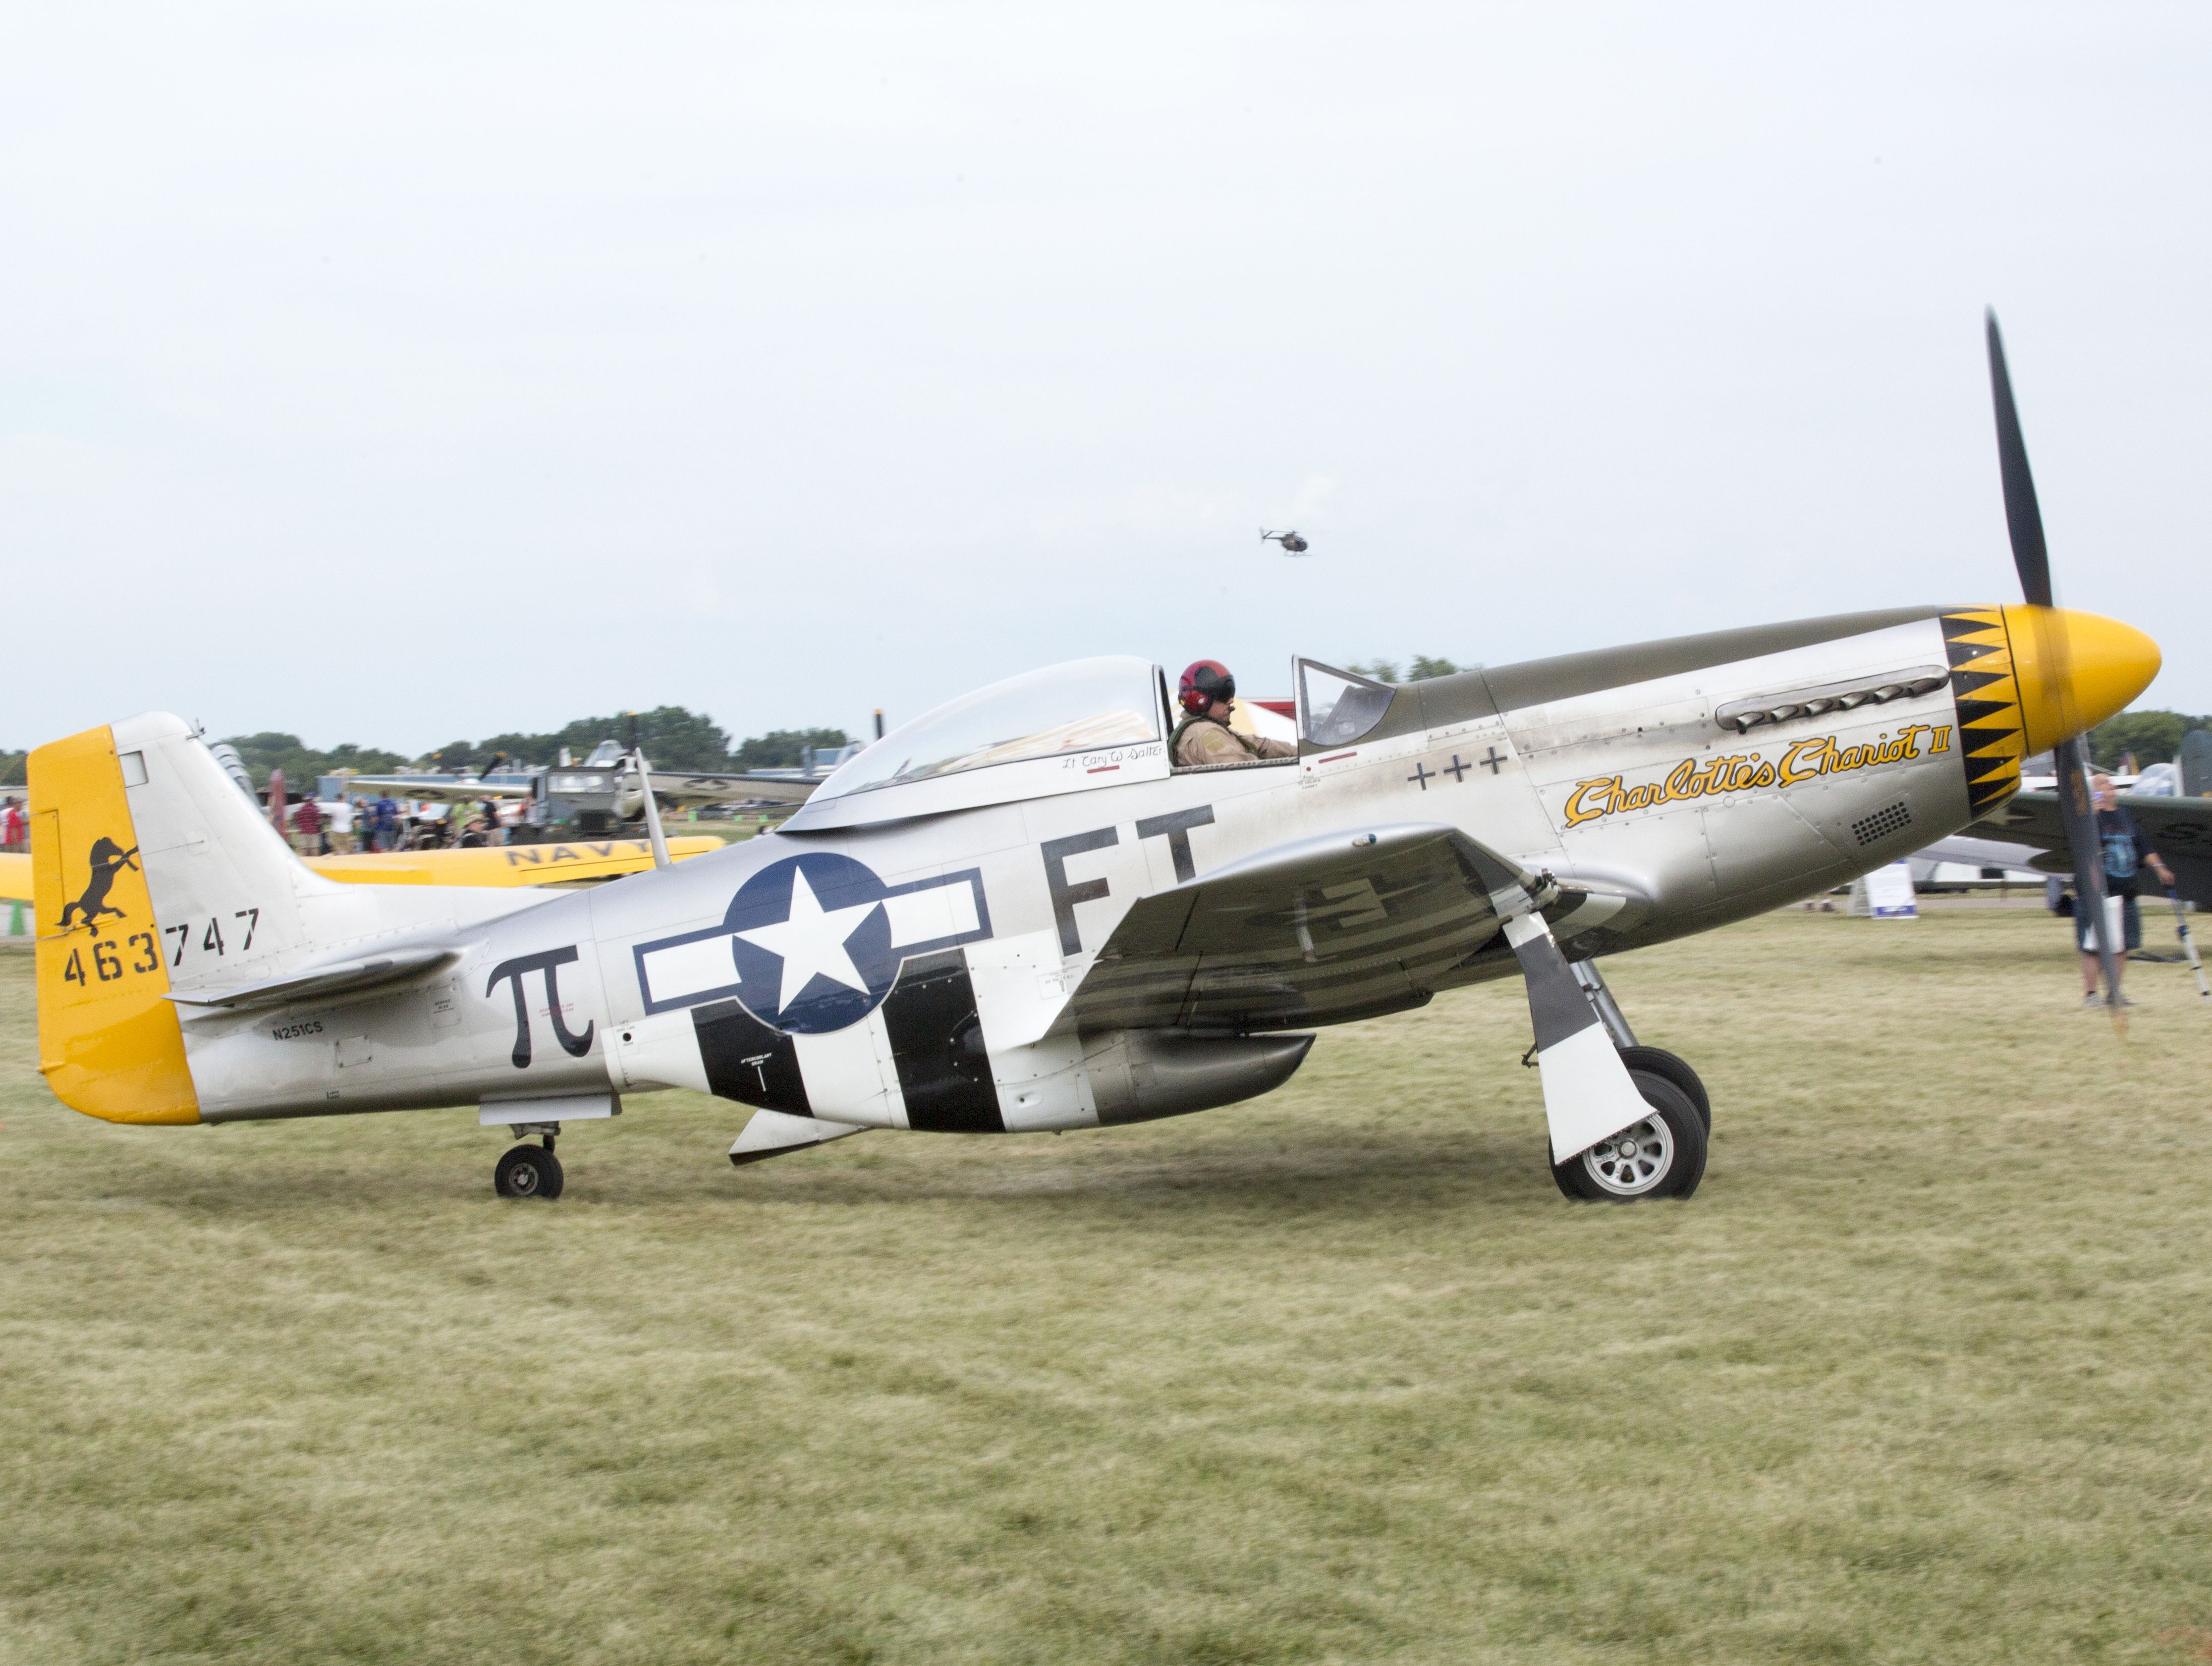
{"points": [[108, 859]]}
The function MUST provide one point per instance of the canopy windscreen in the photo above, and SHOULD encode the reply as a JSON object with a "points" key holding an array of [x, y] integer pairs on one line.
{"points": [[1335, 708], [1082, 707]]}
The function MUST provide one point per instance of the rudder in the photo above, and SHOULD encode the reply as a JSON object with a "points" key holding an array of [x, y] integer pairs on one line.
{"points": [[109, 1043]]}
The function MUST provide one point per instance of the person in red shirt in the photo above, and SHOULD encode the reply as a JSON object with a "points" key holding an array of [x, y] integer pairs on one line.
{"points": [[314, 838]]}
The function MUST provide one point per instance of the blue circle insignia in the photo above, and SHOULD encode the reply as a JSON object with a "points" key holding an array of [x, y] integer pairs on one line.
{"points": [[812, 944]]}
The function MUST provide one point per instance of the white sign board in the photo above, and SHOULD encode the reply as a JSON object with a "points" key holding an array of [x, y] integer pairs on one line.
{"points": [[1889, 893]]}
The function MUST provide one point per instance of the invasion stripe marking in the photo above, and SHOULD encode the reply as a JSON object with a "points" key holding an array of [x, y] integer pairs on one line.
{"points": [[937, 1046], [749, 1062]]}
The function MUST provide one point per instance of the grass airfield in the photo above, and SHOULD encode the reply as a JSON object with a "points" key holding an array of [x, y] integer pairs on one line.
{"points": [[1922, 1373]]}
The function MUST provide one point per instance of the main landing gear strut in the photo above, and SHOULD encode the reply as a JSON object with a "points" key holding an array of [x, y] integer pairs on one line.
{"points": [[529, 1171], [1664, 1155]]}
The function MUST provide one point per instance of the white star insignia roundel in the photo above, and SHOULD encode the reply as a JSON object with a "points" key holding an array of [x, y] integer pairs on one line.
{"points": [[810, 942]]}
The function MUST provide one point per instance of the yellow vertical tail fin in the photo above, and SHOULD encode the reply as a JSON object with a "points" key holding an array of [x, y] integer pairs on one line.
{"points": [[109, 1043]]}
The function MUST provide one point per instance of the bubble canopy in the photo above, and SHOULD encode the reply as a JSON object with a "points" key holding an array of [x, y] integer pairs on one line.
{"points": [[1087, 723]]}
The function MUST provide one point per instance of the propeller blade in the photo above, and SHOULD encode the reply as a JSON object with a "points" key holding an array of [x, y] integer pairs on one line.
{"points": [[2023, 518], [2080, 816], [2024, 521]]}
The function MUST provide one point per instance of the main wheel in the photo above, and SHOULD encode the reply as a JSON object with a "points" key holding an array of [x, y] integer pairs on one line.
{"points": [[1660, 1063], [1662, 1156], [527, 1170]]}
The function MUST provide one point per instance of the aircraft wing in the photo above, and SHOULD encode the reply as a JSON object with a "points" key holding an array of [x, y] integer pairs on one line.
{"points": [[1313, 932], [2179, 829], [15, 876], [730, 789], [670, 786], [434, 789], [1352, 924]]}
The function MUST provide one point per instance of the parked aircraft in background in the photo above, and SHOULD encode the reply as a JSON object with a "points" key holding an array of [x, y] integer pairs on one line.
{"points": [[2179, 829], [605, 790], [2025, 836]]}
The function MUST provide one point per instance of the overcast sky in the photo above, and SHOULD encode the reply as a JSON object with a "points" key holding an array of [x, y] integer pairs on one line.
{"points": [[400, 374]]}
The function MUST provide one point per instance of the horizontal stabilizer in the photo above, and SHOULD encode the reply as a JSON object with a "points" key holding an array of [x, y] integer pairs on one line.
{"points": [[337, 978]]}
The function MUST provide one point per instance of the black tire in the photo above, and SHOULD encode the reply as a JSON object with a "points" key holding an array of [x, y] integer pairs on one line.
{"points": [[1567, 1177], [527, 1170], [1603, 1174], [1660, 1063]]}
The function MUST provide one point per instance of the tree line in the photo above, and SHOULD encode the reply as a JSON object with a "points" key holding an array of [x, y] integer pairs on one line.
{"points": [[2153, 737], [672, 736], [1421, 667]]}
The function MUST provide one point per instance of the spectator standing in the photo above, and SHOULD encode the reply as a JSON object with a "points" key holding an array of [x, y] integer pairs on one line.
{"points": [[2126, 853], [340, 821], [308, 822], [387, 821], [15, 825]]}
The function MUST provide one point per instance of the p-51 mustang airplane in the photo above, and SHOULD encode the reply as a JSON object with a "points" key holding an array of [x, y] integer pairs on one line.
{"points": [[1015, 913]]}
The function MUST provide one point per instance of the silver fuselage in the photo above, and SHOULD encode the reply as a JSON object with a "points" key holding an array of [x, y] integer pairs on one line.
{"points": [[1611, 772]]}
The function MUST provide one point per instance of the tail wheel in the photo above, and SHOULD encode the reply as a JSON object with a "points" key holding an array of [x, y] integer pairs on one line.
{"points": [[1660, 1063], [1663, 1155], [527, 1170]]}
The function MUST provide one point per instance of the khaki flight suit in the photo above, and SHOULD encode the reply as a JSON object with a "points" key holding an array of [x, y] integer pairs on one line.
{"points": [[1210, 740]]}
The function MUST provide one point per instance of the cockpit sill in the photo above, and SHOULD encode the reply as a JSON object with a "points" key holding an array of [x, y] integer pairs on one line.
{"points": [[1240, 763]]}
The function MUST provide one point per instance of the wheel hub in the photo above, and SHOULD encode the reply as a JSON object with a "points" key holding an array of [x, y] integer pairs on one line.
{"points": [[1633, 1162]]}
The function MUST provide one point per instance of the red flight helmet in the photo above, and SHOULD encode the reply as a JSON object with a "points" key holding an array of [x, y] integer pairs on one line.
{"points": [[1204, 682]]}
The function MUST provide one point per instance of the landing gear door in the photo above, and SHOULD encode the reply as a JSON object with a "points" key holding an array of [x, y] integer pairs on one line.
{"points": [[1336, 708]]}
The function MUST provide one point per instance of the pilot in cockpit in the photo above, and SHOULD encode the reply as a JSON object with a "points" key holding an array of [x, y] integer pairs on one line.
{"points": [[1204, 736]]}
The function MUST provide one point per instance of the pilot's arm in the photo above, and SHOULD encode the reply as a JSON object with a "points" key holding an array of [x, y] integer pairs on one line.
{"points": [[1207, 741]]}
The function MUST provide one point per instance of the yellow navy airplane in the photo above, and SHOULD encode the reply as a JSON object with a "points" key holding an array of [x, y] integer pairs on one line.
{"points": [[572, 862], [1016, 913]]}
